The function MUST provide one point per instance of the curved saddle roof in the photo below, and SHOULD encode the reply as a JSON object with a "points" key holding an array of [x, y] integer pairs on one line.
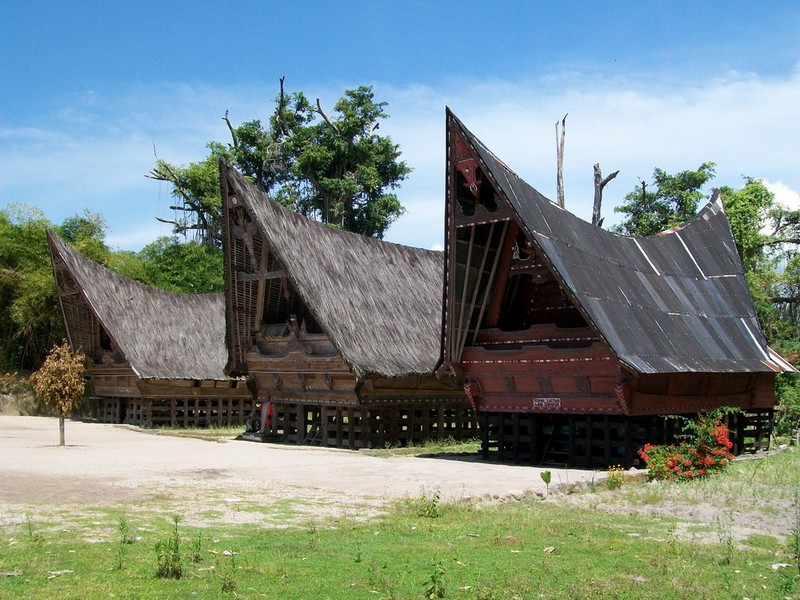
{"points": [[163, 335], [672, 302], [380, 303]]}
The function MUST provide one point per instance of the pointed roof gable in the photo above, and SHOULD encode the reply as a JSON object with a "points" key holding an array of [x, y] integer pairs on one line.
{"points": [[672, 302], [379, 303], [163, 335]]}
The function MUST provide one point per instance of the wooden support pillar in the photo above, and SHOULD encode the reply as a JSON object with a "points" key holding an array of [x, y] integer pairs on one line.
{"points": [[338, 427], [300, 423], [759, 430], [351, 430], [501, 436], [515, 449], [323, 424], [571, 438], [627, 436], [589, 441], [394, 418], [484, 417]]}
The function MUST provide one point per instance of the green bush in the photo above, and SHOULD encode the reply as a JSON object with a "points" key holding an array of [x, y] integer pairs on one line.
{"points": [[705, 449]]}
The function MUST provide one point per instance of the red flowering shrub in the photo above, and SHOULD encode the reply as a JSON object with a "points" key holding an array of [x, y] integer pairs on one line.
{"points": [[705, 449]]}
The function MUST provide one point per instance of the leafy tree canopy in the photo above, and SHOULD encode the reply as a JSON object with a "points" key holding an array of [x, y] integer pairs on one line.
{"points": [[196, 190], [335, 169], [168, 264], [673, 201], [30, 319]]}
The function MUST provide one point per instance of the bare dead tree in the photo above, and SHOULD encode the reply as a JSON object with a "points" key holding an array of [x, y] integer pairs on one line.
{"points": [[599, 184], [231, 129], [560, 161]]}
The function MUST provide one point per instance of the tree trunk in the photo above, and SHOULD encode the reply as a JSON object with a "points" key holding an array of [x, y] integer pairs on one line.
{"points": [[560, 161], [61, 429], [599, 184]]}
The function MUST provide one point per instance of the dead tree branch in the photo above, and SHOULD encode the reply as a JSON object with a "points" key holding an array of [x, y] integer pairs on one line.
{"points": [[599, 184], [560, 161], [231, 129], [325, 117]]}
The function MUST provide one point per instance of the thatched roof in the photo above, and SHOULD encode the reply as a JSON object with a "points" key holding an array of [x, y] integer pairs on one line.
{"points": [[673, 302], [163, 335], [380, 303]]}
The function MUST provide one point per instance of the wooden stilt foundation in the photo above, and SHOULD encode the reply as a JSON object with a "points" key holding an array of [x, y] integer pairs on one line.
{"points": [[175, 412], [374, 425], [599, 441]]}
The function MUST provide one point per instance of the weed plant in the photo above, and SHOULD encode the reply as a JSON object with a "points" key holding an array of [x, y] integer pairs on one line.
{"points": [[125, 540], [168, 554], [615, 477], [427, 504], [794, 535], [434, 586]]}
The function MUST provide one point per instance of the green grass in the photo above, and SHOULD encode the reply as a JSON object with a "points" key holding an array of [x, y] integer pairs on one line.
{"points": [[467, 550], [432, 447], [746, 482], [421, 547], [210, 434]]}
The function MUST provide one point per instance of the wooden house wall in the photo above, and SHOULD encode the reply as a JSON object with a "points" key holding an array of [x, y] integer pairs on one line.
{"points": [[511, 329]]}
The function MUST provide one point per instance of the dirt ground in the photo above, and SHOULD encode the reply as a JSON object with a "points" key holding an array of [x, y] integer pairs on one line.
{"points": [[109, 466]]}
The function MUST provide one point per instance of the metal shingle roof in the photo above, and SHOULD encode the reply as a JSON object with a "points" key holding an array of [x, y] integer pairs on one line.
{"points": [[672, 302]]}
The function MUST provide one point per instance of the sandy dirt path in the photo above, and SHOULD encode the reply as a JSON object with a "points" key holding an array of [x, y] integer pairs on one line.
{"points": [[140, 473], [107, 465]]}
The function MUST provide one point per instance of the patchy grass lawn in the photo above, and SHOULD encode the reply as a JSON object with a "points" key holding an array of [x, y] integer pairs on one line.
{"points": [[638, 541], [429, 448], [209, 434], [421, 548]]}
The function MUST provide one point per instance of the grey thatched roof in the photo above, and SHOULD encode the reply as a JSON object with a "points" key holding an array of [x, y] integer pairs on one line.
{"points": [[673, 302], [380, 303], [163, 335]]}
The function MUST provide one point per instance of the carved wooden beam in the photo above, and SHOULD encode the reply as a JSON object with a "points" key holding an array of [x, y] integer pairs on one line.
{"points": [[265, 275]]}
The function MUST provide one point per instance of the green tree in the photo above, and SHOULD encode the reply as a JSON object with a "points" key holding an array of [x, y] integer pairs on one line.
{"points": [[748, 210], [59, 383], [190, 267], [87, 233], [338, 170], [195, 188], [30, 318], [673, 202], [335, 169]]}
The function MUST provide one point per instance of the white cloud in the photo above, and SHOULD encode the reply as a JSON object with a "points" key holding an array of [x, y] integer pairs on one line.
{"points": [[747, 125], [95, 149], [784, 195]]}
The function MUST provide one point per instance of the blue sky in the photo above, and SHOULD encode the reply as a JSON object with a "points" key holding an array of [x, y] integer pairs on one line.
{"points": [[88, 90]]}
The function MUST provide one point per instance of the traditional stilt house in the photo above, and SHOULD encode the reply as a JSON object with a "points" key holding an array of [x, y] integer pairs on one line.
{"points": [[572, 339], [156, 357], [338, 333]]}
